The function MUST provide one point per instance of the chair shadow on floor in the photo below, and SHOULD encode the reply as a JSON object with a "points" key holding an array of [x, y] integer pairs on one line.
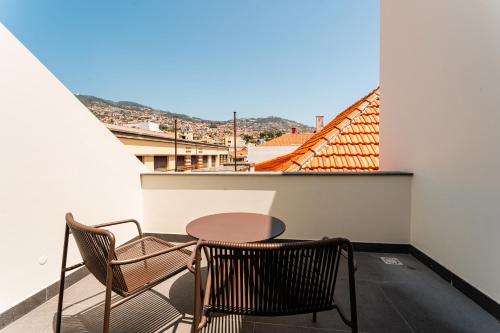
{"points": [[148, 312], [182, 298]]}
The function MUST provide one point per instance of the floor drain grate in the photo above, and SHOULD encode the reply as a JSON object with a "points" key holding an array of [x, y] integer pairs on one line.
{"points": [[391, 261]]}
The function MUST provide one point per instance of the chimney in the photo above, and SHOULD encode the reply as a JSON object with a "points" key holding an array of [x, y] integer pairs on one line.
{"points": [[319, 123], [294, 130]]}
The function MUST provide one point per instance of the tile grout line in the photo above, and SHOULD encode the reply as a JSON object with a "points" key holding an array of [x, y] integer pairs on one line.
{"points": [[302, 327], [396, 309]]}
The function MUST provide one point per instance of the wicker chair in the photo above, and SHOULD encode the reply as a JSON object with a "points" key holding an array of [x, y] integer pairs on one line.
{"points": [[271, 279], [128, 270]]}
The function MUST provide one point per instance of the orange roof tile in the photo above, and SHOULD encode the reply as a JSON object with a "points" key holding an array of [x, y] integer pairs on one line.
{"points": [[288, 139], [350, 142], [239, 152]]}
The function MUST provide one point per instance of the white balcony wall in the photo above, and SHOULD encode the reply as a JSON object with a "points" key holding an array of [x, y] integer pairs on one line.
{"points": [[440, 84], [364, 208], [57, 158], [259, 154]]}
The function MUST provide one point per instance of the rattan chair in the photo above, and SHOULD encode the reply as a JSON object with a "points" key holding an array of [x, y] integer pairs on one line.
{"points": [[271, 279], [128, 270]]}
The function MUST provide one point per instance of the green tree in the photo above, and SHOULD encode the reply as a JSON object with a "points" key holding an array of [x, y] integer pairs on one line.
{"points": [[248, 138]]}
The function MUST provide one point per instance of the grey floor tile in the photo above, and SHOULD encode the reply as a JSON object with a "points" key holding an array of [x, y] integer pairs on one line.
{"points": [[408, 298], [295, 320], [88, 291], [228, 324], [283, 328], [146, 313], [432, 307], [23, 308], [180, 291], [38, 320], [375, 312], [372, 268]]}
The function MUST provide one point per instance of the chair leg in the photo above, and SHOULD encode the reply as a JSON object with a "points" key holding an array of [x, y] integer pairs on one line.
{"points": [[107, 301], [107, 311], [352, 289], [60, 303], [197, 292], [61, 281], [314, 317]]}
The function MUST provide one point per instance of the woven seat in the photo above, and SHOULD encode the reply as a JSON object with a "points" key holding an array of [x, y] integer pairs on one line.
{"points": [[139, 274], [127, 270]]}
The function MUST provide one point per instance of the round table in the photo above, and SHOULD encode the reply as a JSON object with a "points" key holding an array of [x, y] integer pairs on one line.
{"points": [[236, 227]]}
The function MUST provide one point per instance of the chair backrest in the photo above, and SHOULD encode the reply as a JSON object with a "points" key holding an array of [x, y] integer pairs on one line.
{"points": [[272, 278], [96, 247]]}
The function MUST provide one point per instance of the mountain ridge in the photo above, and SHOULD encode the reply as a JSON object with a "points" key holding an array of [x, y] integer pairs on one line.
{"points": [[128, 112]]}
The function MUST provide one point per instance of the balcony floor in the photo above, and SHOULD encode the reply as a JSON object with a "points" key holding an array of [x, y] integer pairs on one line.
{"points": [[408, 298]]}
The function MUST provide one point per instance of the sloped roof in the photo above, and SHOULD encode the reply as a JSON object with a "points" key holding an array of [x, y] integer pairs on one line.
{"points": [[142, 134], [350, 142], [288, 139], [239, 152], [134, 130]]}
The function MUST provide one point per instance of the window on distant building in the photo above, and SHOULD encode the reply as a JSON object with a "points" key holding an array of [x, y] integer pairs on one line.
{"points": [[160, 163], [180, 162]]}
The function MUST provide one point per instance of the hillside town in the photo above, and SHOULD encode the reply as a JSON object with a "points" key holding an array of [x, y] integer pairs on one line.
{"points": [[252, 130]]}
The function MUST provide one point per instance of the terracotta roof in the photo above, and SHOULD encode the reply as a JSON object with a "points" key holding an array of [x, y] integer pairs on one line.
{"points": [[288, 139], [239, 152], [350, 142]]}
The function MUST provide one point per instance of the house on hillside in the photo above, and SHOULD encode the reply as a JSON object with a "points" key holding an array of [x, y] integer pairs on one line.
{"points": [[241, 156], [282, 145], [229, 142], [348, 143], [279, 146]]}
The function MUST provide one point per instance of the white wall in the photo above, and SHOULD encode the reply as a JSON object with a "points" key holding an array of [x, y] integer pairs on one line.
{"points": [[259, 154], [440, 86], [149, 126], [365, 208], [60, 159]]}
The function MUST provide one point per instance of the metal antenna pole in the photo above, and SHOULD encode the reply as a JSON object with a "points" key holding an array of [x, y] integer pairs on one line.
{"points": [[234, 123], [175, 143]]}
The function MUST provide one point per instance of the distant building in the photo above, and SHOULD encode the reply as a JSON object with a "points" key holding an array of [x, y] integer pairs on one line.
{"points": [[241, 156], [208, 139], [157, 150], [279, 146], [185, 135], [229, 142], [146, 125]]}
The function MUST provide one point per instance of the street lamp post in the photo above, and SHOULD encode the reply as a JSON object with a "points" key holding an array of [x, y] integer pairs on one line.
{"points": [[175, 143], [234, 131]]}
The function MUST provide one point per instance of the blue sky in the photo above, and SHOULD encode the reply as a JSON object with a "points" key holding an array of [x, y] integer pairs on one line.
{"points": [[294, 59]]}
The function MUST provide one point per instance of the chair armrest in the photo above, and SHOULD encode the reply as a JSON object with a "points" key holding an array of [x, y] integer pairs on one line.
{"points": [[108, 224], [190, 265], [151, 255]]}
